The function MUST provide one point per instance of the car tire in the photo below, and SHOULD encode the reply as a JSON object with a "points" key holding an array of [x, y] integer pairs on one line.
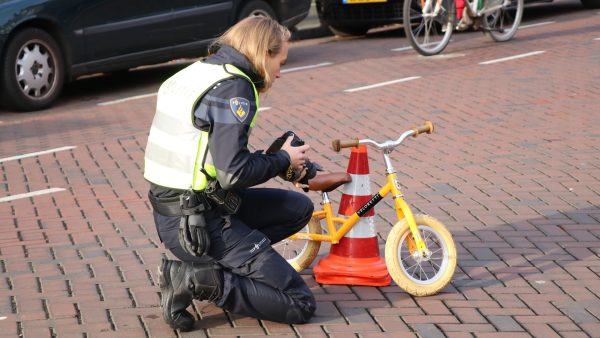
{"points": [[33, 71], [257, 8], [591, 4], [345, 31]]}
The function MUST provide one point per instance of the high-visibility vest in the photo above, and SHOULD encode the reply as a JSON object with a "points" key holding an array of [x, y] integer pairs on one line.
{"points": [[176, 151]]}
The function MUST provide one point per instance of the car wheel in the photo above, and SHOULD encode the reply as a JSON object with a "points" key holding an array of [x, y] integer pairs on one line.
{"points": [[33, 70], [348, 30], [257, 8], [591, 4]]}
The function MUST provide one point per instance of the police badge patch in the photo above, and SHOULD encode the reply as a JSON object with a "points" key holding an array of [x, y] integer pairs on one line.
{"points": [[240, 108]]}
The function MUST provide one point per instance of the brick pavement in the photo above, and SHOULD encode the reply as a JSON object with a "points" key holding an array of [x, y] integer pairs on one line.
{"points": [[513, 170]]}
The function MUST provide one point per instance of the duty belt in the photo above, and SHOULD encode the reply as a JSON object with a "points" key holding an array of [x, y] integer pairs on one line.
{"points": [[182, 205]]}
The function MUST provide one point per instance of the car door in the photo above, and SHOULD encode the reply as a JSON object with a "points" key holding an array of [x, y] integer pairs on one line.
{"points": [[196, 21], [116, 28]]}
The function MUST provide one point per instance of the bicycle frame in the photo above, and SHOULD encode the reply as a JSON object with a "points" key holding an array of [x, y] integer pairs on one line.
{"points": [[473, 4], [403, 211]]}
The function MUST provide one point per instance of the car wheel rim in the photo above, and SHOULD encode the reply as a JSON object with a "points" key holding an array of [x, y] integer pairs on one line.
{"points": [[35, 69], [259, 12]]}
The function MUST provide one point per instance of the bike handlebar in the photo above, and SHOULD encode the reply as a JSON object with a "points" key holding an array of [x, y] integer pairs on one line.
{"points": [[337, 145], [427, 127]]}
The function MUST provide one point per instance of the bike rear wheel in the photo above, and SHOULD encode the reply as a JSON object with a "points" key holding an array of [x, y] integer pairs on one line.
{"points": [[421, 276], [428, 27], [502, 24], [300, 253]]}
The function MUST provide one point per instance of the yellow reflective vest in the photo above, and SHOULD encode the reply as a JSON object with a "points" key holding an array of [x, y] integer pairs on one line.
{"points": [[176, 150]]}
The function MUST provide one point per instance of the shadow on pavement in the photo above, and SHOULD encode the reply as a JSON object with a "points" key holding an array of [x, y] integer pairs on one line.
{"points": [[532, 253]]}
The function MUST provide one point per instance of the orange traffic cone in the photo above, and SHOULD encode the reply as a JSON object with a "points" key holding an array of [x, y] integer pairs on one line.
{"points": [[355, 259]]}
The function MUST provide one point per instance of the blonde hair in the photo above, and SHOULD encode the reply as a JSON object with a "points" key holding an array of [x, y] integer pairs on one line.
{"points": [[255, 37]]}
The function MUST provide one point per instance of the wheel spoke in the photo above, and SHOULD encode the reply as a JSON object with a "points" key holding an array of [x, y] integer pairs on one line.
{"points": [[415, 270], [424, 273], [426, 28], [436, 267], [408, 263], [412, 266], [419, 29], [437, 250], [503, 23]]}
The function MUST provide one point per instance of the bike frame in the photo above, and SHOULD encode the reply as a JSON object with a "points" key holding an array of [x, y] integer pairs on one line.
{"points": [[472, 4], [403, 211], [484, 10]]}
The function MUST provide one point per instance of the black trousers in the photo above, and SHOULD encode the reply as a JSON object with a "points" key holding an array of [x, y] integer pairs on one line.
{"points": [[258, 282]]}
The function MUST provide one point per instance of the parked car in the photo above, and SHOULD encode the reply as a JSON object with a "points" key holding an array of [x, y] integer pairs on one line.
{"points": [[356, 17], [45, 43]]}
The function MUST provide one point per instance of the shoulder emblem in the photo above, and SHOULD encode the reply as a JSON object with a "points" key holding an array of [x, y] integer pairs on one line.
{"points": [[240, 107]]}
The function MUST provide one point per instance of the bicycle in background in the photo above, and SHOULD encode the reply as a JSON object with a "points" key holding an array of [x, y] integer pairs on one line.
{"points": [[429, 24]]}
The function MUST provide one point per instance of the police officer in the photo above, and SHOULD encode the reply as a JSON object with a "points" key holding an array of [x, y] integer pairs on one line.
{"points": [[199, 140]]}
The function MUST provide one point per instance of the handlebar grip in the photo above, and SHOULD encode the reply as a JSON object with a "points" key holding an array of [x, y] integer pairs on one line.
{"points": [[425, 128], [337, 145]]}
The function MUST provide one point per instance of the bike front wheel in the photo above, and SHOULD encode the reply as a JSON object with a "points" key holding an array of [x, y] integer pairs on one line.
{"points": [[502, 24], [428, 24], [417, 275], [300, 253]]}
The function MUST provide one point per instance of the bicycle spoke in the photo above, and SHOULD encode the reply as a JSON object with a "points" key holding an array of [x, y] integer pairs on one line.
{"points": [[502, 24], [427, 28], [438, 250], [424, 273], [408, 266], [282, 247], [405, 259], [428, 31], [427, 237], [419, 28], [416, 269], [435, 266]]}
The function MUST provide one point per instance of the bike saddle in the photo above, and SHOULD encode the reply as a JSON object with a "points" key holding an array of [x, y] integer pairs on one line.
{"points": [[328, 182]]}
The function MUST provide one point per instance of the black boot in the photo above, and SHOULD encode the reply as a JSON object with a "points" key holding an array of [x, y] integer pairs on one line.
{"points": [[181, 282], [175, 297], [205, 280]]}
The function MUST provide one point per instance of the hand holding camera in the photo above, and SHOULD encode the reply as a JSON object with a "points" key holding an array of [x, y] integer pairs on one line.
{"points": [[300, 169]]}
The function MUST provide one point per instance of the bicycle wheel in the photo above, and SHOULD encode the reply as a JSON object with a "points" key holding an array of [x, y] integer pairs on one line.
{"points": [[300, 253], [428, 26], [421, 276], [502, 24]]}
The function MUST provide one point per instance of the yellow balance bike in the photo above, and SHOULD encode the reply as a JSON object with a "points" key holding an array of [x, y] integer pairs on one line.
{"points": [[420, 253]]}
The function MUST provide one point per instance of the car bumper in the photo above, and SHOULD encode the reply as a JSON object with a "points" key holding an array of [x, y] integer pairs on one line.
{"points": [[334, 12]]}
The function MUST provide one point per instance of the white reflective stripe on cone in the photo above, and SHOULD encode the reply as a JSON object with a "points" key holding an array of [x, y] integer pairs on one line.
{"points": [[360, 186], [364, 228]]}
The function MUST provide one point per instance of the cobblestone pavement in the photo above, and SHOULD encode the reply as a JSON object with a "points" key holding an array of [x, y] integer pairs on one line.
{"points": [[513, 170]]}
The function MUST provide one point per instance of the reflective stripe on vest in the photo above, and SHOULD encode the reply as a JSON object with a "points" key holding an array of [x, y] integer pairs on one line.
{"points": [[176, 150]]}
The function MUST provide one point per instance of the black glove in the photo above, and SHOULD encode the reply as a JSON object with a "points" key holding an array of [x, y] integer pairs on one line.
{"points": [[311, 171], [278, 143], [193, 235], [291, 174]]}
